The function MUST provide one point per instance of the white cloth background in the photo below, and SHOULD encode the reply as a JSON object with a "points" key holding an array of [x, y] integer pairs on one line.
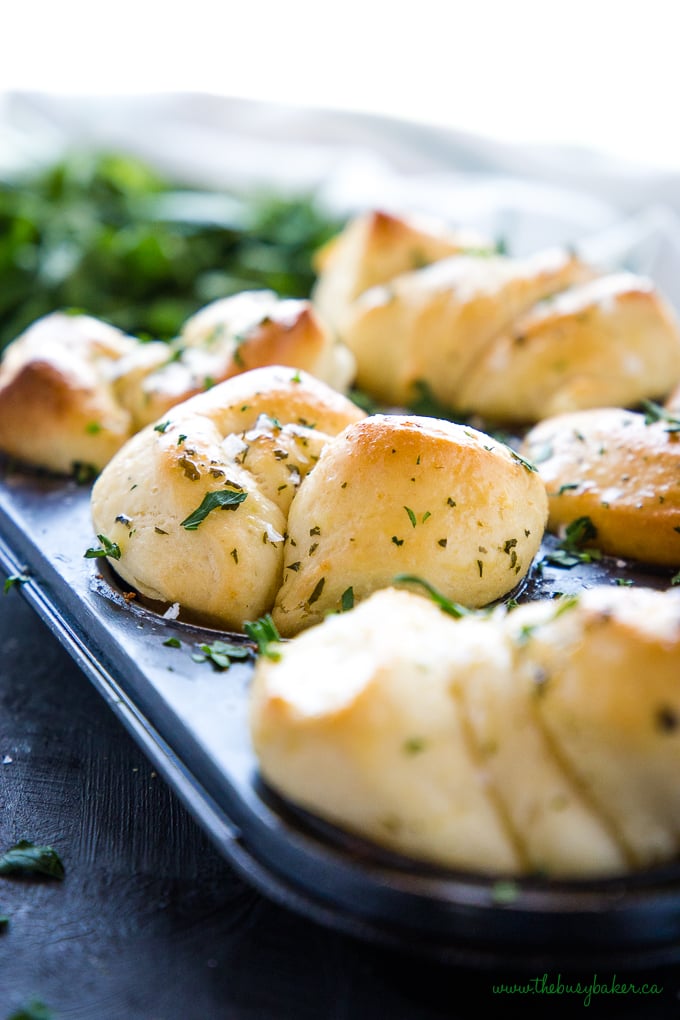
{"points": [[614, 213]]}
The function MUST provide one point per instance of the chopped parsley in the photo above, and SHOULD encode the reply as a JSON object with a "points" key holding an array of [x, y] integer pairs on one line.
{"points": [[220, 653], [522, 460], [347, 599], [14, 579], [223, 499], [452, 608], [25, 858], [265, 634], [414, 745], [107, 548], [173, 642], [411, 516], [570, 550], [318, 588], [162, 426], [655, 412]]}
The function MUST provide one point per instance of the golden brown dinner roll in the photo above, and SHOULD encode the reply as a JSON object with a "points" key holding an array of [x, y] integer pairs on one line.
{"points": [[541, 740], [607, 464], [376, 246], [432, 325], [229, 336], [73, 389], [394, 494], [610, 342], [242, 447], [57, 405]]}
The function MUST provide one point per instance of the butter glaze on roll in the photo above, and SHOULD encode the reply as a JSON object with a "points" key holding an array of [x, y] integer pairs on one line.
{"points": [[611, 342], [496, 743], [374, 247], [432, 325], [609, 465], [73, 389], [58, 407], [255, 436], [249, 330], [405, 494]]}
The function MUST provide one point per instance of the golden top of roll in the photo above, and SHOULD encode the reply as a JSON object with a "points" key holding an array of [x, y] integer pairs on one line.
{"points": [[495, 743], [610, 342], [512, 340], [399, 494], [73, 389], [620, 469], [58, 408], [232, 335], [432, 325], [197, 503], [374, 247]]}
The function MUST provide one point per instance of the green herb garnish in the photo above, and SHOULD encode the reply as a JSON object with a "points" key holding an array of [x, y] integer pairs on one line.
{"points": [[25, 858], [264, 633], [222, 499], [14, 579], [655, 412], [452, 608], [33, 1010], [570, 550], [220, 653], [107, 548]]}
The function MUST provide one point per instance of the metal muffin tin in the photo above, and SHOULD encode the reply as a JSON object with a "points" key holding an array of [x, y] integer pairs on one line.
{"points": [[191, 720]]}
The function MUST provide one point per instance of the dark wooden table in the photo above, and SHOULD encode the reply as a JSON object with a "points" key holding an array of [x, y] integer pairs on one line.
{"points": [[150, 923]]}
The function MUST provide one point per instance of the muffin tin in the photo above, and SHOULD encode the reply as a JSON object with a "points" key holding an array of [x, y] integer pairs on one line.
{"points": [[191, 720]]}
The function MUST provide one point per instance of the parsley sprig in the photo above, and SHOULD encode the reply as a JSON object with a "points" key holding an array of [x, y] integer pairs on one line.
{"points": [[655, 412], [570, 550], [222, 499], [265, 635], [107, 548], [452, 608], [221, 653], [25, 858]]}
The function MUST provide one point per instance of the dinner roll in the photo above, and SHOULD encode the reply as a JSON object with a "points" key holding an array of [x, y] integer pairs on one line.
{"points": [[430, 327], [376, 246], [610, 342], [232, 335], [609, 465], [244, 446], [399, 494], [58, 409], [542, 740]]}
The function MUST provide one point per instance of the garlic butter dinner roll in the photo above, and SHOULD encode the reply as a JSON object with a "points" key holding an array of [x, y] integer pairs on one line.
{"points": [[619, 469], [73, 389], [197, 503], [229, 336], [431, 326], [405, 494], [496, 743], [376, 246], [610, 342], [58, 408]]}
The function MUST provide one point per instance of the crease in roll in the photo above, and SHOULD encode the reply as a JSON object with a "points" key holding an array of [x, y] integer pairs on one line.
{"points": [[542, 740]]}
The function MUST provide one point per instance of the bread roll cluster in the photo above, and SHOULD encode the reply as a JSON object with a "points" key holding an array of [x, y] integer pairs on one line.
{"points": [[326, 504], [395, 494], [197, 504], [541, 740], [621, 470], [512, 340], [74, 389]]}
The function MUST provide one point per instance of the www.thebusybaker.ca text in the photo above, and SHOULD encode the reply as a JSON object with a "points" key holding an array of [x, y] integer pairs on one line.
{"points": [[546, 985]]}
